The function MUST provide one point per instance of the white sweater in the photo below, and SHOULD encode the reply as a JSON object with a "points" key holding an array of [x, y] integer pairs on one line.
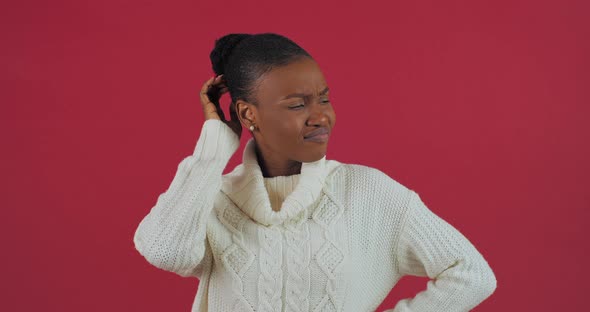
{"points": [[336, 237]]}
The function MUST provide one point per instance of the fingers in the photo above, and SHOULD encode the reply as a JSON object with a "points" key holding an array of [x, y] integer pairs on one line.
{"points": [[219, 82], [204, 90], [211, 92], [209, 108]]}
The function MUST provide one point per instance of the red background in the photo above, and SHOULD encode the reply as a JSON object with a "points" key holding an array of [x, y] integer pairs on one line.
{"points": [[479, 106]]}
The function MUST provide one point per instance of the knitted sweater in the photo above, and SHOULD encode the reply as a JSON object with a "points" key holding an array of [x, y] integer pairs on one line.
{"points": [[336, 237]]}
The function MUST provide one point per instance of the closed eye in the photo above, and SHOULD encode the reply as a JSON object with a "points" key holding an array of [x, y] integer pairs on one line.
{"points": [[301, 105], [296, 107]]}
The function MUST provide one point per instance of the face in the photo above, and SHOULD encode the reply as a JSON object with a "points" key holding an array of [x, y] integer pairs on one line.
{"points": [[293, 102]]}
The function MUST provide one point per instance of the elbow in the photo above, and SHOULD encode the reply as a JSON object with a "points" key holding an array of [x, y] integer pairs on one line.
{"points": [[490, 282], [163, 257], [142, 246], [485, 281], [153, 256]]}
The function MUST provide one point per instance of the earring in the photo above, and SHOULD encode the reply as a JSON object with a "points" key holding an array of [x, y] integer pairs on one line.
{"points": [[252, 128]]}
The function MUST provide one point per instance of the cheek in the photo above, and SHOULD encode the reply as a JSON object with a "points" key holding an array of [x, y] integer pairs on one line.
{"points": [[285, 130], [333, 116]]}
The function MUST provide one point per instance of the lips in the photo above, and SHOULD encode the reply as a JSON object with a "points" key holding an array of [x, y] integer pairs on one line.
{"points": [[320, 134]]}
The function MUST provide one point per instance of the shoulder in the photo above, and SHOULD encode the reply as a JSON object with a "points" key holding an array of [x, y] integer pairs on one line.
{"points": [[369, 181], [359, 173], [374, 200]]}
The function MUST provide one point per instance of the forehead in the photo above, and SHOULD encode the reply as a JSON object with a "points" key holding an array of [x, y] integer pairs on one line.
{"points": [[302, 76]]}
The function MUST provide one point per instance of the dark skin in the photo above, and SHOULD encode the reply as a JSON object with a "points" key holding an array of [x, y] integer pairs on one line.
{"points": [[281, 124]]}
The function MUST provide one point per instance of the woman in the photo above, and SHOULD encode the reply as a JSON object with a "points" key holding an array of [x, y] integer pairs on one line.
{"points": [[288, 229]]}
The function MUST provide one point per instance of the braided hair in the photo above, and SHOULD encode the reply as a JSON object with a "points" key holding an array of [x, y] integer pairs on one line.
{"points": [[244, 58]]}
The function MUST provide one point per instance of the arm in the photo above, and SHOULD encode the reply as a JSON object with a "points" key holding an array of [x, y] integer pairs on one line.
{"points": [[429, 246], [172, 235]]}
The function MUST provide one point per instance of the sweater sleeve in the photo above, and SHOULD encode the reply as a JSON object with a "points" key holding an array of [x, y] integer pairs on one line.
{"points": [[172, 236], [429, 246]]}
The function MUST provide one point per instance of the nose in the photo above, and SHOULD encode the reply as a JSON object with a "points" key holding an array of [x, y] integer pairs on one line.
{"points": [[317, 116]]}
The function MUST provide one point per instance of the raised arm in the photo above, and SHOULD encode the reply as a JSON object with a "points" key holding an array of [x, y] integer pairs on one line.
{"points": [[429, 246], [172, 235]]}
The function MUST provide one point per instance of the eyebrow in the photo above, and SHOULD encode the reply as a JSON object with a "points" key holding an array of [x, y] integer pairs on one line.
{"points": [[303, 95]]}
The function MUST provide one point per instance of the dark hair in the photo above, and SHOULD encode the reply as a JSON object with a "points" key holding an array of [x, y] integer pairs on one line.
{"points": [[244, 58]]}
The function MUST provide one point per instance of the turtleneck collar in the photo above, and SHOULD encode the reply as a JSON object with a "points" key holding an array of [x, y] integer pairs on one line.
{"points": [[279, 188], [246, 187]]}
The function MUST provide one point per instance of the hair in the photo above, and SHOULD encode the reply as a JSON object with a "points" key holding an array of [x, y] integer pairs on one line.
{"points": [[244, 58]]}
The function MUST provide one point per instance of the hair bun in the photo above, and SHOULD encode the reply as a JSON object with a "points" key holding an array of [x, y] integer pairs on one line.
{"points": [[223, 48]]}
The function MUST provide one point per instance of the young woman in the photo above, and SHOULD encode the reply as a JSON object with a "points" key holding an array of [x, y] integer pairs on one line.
{"points": [[288, 229]]}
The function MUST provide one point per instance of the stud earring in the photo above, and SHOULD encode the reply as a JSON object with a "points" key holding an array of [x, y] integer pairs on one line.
{"points": [[252, 128]]}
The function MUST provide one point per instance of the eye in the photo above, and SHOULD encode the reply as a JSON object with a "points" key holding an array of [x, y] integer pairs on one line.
{"points": [[326, 101], [296, 107]]}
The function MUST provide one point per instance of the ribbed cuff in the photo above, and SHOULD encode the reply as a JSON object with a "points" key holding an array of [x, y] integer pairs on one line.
{"points": [[217, 141]]}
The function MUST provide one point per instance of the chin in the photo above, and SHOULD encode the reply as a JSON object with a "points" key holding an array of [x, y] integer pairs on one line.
{"points": [[312, 155]]}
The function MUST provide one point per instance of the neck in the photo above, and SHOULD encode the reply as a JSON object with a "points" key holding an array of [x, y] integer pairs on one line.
{"points": [[276, 167]]}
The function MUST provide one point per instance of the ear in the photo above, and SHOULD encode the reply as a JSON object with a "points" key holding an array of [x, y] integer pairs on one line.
{"points": [[246, 113]]}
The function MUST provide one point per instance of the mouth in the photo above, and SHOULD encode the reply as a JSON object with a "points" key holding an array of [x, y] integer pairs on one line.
{"points": [[320, 135]]}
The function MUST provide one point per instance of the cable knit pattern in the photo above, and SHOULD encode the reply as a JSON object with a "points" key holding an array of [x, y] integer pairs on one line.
{"points": [[331, 256], [298, 278], [336, 237], [270, 281], [237, 257], [298, 257]]}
